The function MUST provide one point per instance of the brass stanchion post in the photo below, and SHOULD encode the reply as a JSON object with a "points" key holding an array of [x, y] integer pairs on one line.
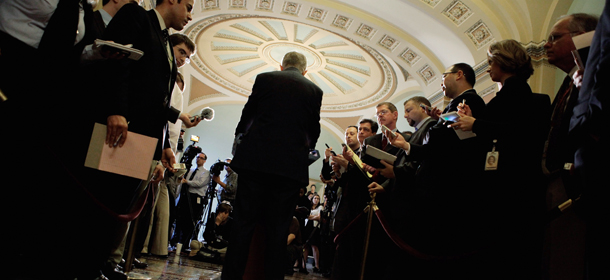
{"points": [[370, 209]]}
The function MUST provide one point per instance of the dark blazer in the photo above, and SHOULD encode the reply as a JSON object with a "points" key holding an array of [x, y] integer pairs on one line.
{"points": [[97, 25], [418, 136], [280, 123], [589, 118], [440, 198], [522, 158], [589, 132], [141, 90], [377, 142], [443, 142]]}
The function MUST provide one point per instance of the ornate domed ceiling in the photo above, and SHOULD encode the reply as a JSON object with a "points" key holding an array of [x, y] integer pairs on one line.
{"points": [[360, 52], [233, 49]]}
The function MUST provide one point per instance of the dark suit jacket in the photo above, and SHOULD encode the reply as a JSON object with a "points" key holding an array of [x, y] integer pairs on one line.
{"points": [[522, 158], [589, 118], [97, 25], [589, 133], [558, 149], [141, 90], [443, 142], [377, 142], [280, 123], [438, 202]]}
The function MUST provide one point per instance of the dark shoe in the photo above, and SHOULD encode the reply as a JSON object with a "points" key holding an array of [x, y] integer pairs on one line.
{"points": [[289, 272], [112, 272], [139, 264], [316, 270], [303, 270], [121, 265]]}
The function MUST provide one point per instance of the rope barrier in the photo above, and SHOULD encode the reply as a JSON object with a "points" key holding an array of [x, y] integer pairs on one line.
{"points": [[404, 246]]}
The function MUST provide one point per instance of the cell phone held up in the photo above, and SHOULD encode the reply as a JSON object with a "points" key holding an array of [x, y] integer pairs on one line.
{"points": [[426, 107], [385, 128], [332, 152]]}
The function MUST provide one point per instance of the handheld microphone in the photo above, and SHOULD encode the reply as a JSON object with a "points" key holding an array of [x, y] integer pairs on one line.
{"points": [[207, 114]]}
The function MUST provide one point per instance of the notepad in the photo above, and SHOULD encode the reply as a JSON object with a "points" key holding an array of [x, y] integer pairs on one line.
{"points": [[582, 43], [132, 159], [129, 52], [453, 117], [380, 154]]}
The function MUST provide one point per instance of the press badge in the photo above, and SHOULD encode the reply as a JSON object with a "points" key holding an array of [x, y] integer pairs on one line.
{"points": [[491, 161], [198, 200]]}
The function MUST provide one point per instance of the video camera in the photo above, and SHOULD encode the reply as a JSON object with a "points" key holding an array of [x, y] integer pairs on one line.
{"points": [[191, 152], [217, 167]]}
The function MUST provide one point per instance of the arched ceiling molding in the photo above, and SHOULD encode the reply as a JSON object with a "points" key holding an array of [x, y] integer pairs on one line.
{"points": [[343, 123], [514, 18], [337, 132], [196, 31], [413, 23], [333, 11], [555, 9]]}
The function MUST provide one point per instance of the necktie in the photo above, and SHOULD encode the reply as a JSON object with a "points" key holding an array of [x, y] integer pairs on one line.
{"points": [[165, 35], [552, 150], [384, 142], [193, 174]]}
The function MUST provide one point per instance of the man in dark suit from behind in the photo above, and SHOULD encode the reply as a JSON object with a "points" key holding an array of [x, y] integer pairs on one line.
{"points": [[279, 124]]}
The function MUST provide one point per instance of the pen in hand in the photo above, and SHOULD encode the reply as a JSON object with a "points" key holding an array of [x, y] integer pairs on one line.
{"points": [[118, 138]]}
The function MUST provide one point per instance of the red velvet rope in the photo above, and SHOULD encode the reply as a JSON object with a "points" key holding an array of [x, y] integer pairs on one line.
{"points": [[406, 247], [137, 209], [396, 239], [347, 228]]}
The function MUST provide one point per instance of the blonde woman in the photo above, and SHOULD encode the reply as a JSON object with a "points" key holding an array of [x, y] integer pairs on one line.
{"points": [[514, 128]]}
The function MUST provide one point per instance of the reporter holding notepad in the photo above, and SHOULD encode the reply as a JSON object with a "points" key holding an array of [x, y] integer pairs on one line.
{"points": [[518, 179]]}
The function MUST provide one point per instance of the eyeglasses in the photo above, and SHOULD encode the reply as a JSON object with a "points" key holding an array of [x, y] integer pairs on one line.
{"points": [[382, 112], [552, 38], [447, 73]]}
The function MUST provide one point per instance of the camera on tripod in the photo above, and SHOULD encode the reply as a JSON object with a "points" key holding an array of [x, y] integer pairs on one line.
{"points": [[217, 167], [191, 152]]}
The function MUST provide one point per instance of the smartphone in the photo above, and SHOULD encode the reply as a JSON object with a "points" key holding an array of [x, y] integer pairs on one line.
{"points": [[332, 152], [426, 107]]}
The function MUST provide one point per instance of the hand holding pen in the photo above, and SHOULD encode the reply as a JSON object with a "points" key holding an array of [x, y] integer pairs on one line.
{"points": [[464, 109], [116, 130]]}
